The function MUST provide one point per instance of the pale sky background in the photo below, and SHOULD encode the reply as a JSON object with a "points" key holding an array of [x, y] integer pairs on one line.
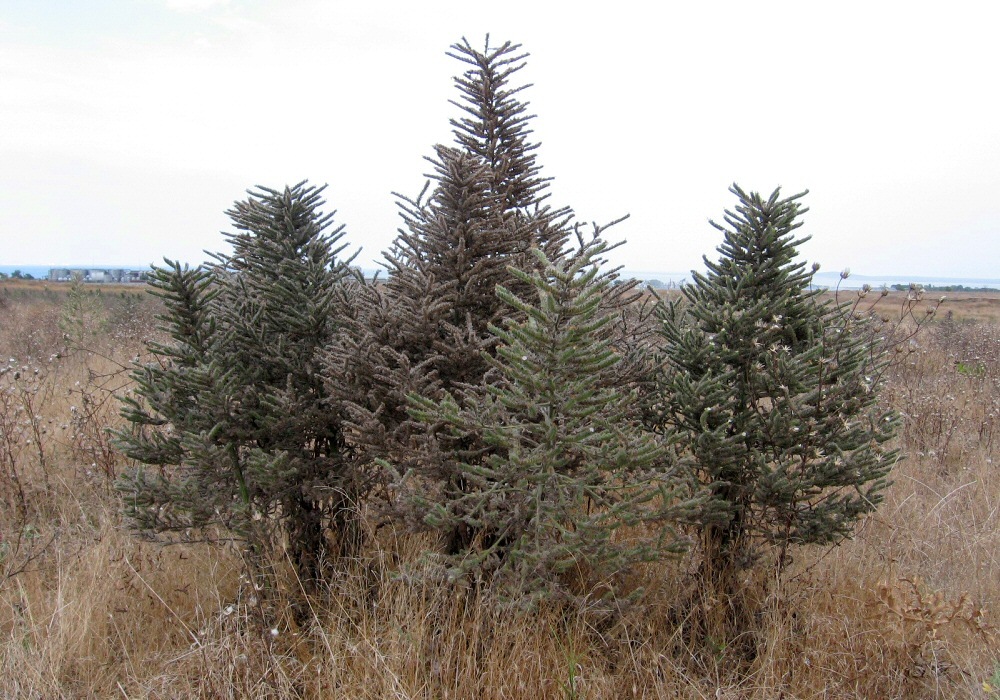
{"points": [[128, 127]]}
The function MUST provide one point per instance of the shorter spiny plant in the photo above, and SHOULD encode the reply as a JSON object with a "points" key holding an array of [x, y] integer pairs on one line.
{"points": [[569, 486], [774, 394], [231, 421]]}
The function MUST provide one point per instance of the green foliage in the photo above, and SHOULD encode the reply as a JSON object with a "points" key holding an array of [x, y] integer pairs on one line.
{"points": [[565, 464], [233, 412], [992, 684], [972, 369], [774, 394]]}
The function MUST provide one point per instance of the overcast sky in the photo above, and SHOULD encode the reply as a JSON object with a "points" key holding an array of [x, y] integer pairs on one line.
{"points": [[128, 127]]}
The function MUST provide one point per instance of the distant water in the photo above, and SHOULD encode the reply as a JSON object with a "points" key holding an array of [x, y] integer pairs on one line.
{"points": [[42, 272], [34, 270], [822, 279]]}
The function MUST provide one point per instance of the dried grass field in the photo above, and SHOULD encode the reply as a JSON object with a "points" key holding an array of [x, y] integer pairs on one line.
{"points": [[88, 609]]}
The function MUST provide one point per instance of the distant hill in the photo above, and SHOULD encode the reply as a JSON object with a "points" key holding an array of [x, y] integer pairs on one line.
{"points": [[832, 279]]}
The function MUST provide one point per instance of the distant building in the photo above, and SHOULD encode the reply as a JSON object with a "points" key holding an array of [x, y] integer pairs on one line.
{"points": [[97, 275]]}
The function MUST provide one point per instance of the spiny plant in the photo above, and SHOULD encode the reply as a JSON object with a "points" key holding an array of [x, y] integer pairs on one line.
{"points": [[565, 465], [774, 394], [233, 413], [426, 329]]}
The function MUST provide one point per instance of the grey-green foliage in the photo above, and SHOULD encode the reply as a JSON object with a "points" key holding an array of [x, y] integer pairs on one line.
{"points": [[774, 393], [565, 464], [233, 413]]}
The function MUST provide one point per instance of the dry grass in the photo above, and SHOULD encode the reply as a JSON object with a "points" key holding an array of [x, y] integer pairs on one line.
{"points": [[89, 610]]}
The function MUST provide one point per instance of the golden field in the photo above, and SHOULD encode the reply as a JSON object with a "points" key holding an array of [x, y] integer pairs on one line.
{"points": [[89, 609]]}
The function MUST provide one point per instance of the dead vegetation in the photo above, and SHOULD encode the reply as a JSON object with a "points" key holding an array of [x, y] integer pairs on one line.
{"points": [[89, 610]]}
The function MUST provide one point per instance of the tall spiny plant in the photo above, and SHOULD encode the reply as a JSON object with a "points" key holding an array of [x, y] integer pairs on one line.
{"points": [[774, 393], [427, 328], [486, 214], [166, 408], [234, 413]]}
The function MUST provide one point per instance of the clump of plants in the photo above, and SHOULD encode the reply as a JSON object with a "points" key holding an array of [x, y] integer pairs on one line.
{"points": [[503, 388]]}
